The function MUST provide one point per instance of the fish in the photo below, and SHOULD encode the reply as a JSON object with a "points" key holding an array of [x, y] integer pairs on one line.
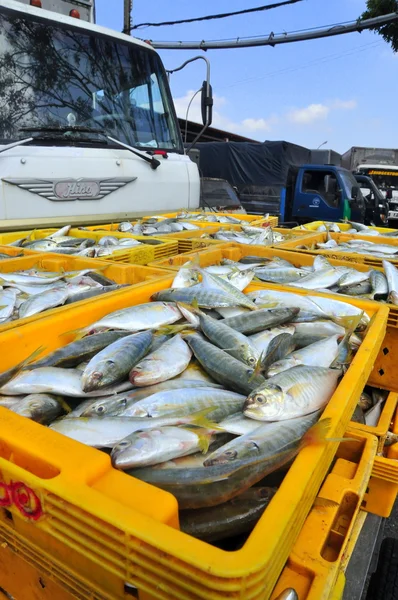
{"points": [[184, 401], [280, 346], [203, 298], [42, 408], [238, 424], [167, 361], [234, 517], [281, 275], [365, 402], [151, 315], [308, 333], [159, 444], [112, 364], [262, 340], [319, 279], [319, 354], [107, 432], [209, 486], [233, 342], [7, 303], [293, 393], [41, 302], [379, 284], [77, 352], [256, 322], [392, 281], [186, 277], [246, 445], [54, 380], [121, 405], [223, 367], [212, 282]]}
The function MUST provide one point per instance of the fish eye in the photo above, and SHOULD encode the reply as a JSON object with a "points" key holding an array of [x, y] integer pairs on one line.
{"points": [[252, 360], [259, 399], [123, 444], [230, 453], [100, 409]]}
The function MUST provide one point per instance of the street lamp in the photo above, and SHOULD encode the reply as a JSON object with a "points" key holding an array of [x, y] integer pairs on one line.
{"points": [[323, 143]]}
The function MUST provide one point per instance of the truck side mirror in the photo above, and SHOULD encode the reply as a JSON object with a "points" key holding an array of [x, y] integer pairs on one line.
{"points": [[354, 192], [207, 103], [389, 194]]}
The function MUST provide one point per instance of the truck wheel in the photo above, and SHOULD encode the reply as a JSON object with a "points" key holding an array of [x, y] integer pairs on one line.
{"points": [[384, 581]]}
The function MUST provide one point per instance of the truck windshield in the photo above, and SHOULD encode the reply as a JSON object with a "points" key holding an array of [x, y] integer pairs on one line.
{"points": [[53, 75], [384, 179], [349, 182]]}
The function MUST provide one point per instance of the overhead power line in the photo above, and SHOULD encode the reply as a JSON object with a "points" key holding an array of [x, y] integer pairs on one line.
{"points": [[220, 15], [273, 39]]}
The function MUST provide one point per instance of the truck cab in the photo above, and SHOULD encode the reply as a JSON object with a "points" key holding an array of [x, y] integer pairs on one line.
{"points": [[376, 205], [88, 129], [322, 193]]}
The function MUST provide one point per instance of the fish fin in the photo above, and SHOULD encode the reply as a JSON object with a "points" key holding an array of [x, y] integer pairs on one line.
{"points": [[204, 442], [64, 405], [173, 329], [258, 367], [77, 334], [350, 323], [316, 435], [32, 357], [268, 304], [199, 419], [191, 307]]}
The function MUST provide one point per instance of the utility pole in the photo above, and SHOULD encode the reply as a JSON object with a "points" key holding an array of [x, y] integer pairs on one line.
{"points": [[128, 9]]}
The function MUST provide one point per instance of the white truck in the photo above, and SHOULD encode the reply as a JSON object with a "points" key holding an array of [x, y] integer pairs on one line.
{"points": [[381, 164], [88, 129]]}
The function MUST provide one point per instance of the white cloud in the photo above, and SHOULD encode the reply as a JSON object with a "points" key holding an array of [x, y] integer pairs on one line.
{"points": [[256, 127], [309, 114], [344, 104]]}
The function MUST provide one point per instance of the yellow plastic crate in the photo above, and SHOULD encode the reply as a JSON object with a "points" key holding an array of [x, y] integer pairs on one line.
{"points": [[13, 252], [119, 273], [149, 250], [308, 245], [343, 227], [384, 373], [252, 219], [101, 543], [316, 559]]}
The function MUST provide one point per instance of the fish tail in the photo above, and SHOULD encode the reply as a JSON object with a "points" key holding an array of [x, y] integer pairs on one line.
{"points": [[191, 307], [199, 419], [173, 329]]}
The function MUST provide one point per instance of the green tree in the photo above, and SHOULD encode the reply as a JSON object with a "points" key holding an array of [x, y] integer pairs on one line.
{"points": [[377, 8]]}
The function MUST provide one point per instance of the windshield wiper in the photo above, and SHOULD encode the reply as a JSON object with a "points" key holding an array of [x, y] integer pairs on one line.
{"points": [[15, 144], [78, 129], [151, 160]]}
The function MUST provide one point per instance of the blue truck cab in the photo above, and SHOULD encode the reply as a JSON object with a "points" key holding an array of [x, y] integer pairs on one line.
{"points": [[321, 193]]}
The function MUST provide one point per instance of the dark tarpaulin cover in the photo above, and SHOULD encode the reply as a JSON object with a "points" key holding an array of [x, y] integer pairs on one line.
{"points": [[248, 163]]}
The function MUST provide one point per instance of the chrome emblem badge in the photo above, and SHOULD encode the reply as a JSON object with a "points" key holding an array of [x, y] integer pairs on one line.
{"points": [[67, 190]]}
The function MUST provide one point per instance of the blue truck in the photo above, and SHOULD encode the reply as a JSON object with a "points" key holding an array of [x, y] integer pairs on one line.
{"points": [[299, 184]]}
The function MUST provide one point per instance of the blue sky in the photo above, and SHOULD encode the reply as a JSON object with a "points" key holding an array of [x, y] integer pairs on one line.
{"points": [[341, 89]]}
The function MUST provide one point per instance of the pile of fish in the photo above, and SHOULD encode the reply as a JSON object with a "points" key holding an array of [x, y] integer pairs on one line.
{"points": [[60, 242], [322, 276], [355, 228], [359, 246], [33, 291], [158, 225], [203, 391]]}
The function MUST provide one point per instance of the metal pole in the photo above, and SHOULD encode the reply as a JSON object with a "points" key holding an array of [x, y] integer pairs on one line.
{"points": [[276, 39], [127, 21]]}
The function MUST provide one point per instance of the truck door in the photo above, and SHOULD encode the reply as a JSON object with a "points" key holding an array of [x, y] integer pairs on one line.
{"points": [[318, 196]]}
